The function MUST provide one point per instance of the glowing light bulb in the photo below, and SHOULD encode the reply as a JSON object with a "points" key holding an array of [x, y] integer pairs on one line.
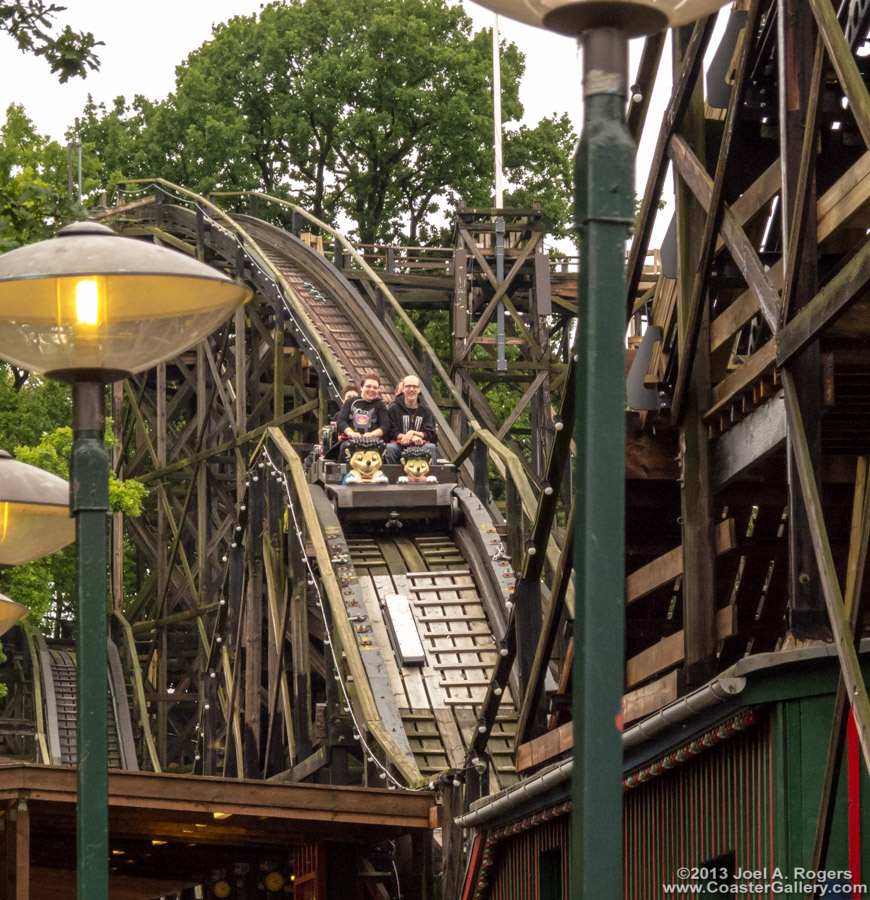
{"points": [[87, 303]]}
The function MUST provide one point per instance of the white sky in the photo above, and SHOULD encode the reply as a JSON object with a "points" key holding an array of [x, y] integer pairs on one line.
{"points": [[145, 42]]}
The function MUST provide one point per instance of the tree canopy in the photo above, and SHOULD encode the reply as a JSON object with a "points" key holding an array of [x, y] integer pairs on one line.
{"points": [[30, 22], [33, 183], [376, 110]]}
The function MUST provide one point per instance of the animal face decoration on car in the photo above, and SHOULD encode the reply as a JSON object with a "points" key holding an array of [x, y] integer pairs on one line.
{"points": [[365, 458], [416, 462]]}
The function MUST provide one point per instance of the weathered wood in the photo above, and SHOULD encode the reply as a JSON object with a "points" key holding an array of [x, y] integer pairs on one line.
{"points": [[666, 568], [798, 145], [649, 698], [843, 61], [839, 620], [752, 439], [800, 198], [645, 78], [17, 835], [522, 403], [729, 389], [858, 543], [500, 294], [834, 299], [146, 795], [673, 118], [691, 327], [739, 245], [669, 651], [545, 747]]}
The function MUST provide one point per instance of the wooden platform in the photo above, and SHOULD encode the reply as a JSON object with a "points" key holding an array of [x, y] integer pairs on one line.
{"points": [[163, 834]]}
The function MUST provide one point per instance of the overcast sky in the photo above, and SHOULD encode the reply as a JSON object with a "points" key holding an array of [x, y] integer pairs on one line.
{"points": [[145, 42]]}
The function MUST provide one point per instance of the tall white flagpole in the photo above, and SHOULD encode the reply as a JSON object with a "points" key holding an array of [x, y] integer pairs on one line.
{"points": [[496, 114]]}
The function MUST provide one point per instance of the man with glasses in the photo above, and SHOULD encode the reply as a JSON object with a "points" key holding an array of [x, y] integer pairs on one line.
{"points": [[410, 423]]}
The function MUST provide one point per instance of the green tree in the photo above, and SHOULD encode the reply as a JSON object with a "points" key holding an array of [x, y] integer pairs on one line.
{"points": [[380, 110], [48, 585], [30, 23], [33, 183], [539, 161]]}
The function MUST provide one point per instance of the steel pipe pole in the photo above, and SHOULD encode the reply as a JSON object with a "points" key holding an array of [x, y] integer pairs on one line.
{"points": [[604, 167], [89, 503]]}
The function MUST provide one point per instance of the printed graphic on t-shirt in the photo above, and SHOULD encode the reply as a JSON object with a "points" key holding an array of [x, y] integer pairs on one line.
{"points": [[361, 419], [406, 424]]}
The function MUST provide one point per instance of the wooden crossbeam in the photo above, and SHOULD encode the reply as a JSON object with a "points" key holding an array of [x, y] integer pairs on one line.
{"points": [[825, 308], [673, 117], [843, 61], [739, 245], [858, 540], [730, 389], [800, 218], [500, 293], [645, 79], [540, 378], [669, 651], [650, 697], [666, 568], [837, 615], [711, 226]]}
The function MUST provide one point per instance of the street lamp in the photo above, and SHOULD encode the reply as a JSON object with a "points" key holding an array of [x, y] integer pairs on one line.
{"points": [[604, 208], [10, 613], [34, 512], [90, 307]]}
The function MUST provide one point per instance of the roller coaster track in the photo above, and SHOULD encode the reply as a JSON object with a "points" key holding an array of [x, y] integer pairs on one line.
{"points": [[425, 720]]}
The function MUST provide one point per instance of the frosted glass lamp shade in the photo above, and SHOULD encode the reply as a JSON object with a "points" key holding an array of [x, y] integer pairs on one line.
{"points": [[34, 512], [92, 305], [10, 613], [573, 17]]}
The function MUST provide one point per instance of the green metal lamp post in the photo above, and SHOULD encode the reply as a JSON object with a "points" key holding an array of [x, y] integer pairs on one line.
{"points": [[90, 307], [604, 208]]}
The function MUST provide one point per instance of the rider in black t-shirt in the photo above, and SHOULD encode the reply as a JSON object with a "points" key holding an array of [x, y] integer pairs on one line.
{"points": [[364, 415]]}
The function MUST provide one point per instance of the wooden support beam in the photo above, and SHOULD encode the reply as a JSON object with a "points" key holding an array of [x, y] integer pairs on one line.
{"points": [[729, 389], [668, 652], [695, 310], [522, 403], [858, 541], [649, 698], [843, 61], [803, 215], [739, 245], [500, 292], [17, 835], [542, 749], [837, 296], [666, 568], [839, 620], [531, 701], [694, 233], [645, 79], [683, 88]]}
